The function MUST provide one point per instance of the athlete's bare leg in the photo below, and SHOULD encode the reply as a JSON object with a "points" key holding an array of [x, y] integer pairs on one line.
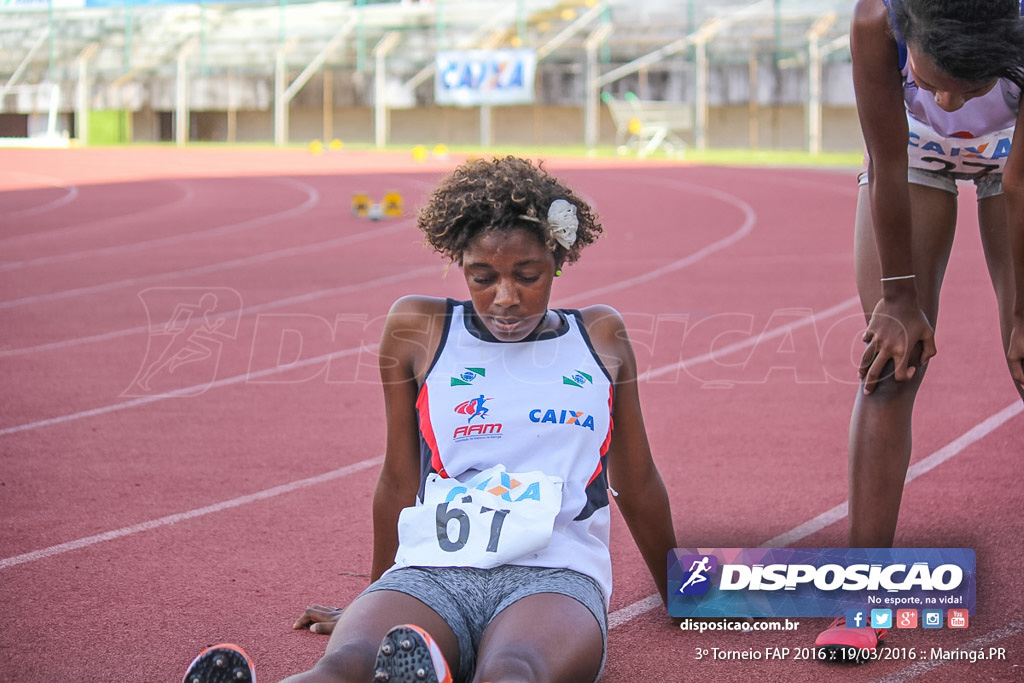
{"points": [[880, 428], [352, 649], [995, 238]]}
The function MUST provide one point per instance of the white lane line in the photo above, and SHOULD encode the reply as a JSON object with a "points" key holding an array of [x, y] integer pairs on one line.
{"points": [[751, 341], [70, 195], [628, 613], [191, 514], [950, 450], [312, 200], [186, 391], [615, 619], [924, 666], [45, 181], [979, 431], [203, 270], [749, 219], [745, 228], [829, 517], [624, 614], [73, 545], [248, 310], [187, 194]]}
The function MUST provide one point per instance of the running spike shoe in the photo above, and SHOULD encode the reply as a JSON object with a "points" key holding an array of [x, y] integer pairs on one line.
{"points": [[847, 643], [224, 663], [409, 655]]}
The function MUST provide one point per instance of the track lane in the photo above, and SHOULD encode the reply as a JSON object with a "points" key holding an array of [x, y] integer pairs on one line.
{"points": [[705, 425]]}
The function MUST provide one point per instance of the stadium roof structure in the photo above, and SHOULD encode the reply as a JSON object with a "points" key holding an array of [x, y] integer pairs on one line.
{"points": [[107, 51], [45, 40]]}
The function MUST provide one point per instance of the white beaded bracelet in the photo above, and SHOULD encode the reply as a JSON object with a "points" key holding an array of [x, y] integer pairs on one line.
{"points": [[898, 277]]}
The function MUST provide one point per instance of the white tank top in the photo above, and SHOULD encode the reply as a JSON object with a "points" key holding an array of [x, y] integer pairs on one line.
{"points": [[509, 421], [971, 141]]}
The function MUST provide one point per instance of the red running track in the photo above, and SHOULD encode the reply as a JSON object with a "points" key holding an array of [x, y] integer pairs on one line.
{"points": [[151, 508]]}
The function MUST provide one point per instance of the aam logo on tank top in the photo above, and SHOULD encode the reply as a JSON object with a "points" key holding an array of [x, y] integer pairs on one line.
{"points": [[476, 409]]}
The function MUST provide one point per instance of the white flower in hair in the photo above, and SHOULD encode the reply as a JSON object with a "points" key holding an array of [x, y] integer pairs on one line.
{"points": [[562, 222]]}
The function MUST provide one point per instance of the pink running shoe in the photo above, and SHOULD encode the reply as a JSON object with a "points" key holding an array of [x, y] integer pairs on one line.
{"points": [[224, 663], [849, 644], [409, 655]]}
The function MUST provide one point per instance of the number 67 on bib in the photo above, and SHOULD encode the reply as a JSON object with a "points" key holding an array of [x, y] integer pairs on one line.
{"points": [[491, 519]]}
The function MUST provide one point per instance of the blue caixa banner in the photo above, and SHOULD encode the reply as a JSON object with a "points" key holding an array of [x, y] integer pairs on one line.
{"points": [[817, 582]]}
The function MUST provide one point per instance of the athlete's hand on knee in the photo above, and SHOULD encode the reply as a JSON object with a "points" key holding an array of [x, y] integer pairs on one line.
{"points": [[893, 333], [319, 619], [1015, 352]]}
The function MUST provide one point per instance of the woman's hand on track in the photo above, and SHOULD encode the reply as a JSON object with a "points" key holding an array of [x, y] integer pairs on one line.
{"points": [[894, 331], [319, 619]]}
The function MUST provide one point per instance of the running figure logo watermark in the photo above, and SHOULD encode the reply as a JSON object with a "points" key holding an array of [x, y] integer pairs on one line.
{"points": [[696, 581], [188, 327]]}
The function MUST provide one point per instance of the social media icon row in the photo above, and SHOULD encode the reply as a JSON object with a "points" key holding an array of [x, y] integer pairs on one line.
{"points": [[905, 618]]}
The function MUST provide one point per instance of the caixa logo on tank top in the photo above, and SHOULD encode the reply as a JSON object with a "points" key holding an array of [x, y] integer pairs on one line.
{"points": [[478, 423], [562, 417], [960, 153]]}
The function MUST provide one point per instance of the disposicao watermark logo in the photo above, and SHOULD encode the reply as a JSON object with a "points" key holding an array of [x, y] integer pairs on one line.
{"points": [[818, 582], [697, 581]]}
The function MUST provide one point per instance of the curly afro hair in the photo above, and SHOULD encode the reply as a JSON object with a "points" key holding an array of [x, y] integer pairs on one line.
{"points": [[500, 194]]}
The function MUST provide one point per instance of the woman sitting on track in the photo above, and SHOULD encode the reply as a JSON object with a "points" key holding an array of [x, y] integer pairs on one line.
{"points": [[490, 517], [949, 74]]}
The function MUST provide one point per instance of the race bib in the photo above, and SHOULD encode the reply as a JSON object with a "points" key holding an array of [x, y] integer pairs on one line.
{"points": [[492, 519], [969, 156]]}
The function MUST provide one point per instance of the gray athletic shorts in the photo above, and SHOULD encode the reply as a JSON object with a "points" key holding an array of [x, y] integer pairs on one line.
{"points": [[988, 185], [468, 598]]}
